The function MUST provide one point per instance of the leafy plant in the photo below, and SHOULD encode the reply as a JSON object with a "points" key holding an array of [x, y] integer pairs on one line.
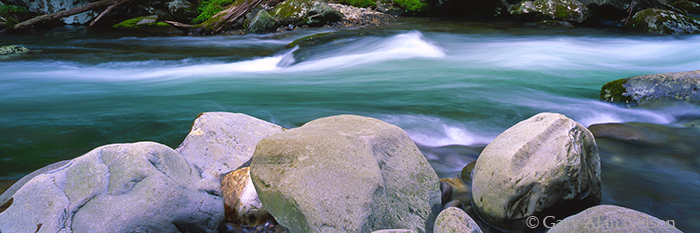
{"points": [[9, 9], [411, 5], [209, 8], [359, 3]]}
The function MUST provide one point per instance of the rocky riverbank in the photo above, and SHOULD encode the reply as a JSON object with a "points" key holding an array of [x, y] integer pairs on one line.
{"points": [[196, 17], [337, 174]]}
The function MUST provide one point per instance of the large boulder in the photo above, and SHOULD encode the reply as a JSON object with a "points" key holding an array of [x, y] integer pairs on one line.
{"points": [[305, 12], [562, 10], [345, 174], [455, 220], [545, 165], [220, 142], [666, 86], [663, 22], [136, 187], [609, 218]]}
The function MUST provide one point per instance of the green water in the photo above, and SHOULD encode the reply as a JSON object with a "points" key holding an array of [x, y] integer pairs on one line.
{"points": [[453, 86]]}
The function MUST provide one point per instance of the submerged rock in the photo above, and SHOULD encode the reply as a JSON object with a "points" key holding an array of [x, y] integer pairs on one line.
{"points": [[563, 10], [666, 86], [220, 142], [455, 220], [345, 174], [663, 22], [461, 191], [142, 186], [545, 165], [609, 218], [305, 12]]}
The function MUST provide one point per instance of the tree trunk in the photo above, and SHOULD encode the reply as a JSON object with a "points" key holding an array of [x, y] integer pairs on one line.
{"points": [[66, 13], [224, 19]]}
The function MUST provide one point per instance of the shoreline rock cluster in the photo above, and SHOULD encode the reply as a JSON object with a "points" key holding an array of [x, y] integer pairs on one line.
{"points": [[336, 174]]}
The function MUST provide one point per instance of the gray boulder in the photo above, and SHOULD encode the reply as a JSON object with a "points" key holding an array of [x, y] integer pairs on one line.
{"points": [[220, 142], [455, 220], [609, 218], [181, 10], [545, 165], [664, 22], [562, 10], [305, 12], [345, 174], [666, 86], [139, 187], [263, 22]]}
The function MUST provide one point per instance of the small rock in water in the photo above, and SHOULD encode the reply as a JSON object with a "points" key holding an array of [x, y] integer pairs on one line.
{"points": [[12, 49], [446, 190], [467, 172], [460, 190]]}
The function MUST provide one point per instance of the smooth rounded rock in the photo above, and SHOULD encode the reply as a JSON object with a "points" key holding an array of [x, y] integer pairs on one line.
{"points": [[305, 12], [545, 165], [681, 86], [220, 142], [613, 219], [564, 10], [135, 187], [455, 220], [345, 174]]}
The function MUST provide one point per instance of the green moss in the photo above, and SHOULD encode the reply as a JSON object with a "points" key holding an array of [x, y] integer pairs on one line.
{"points": [[130, 23], [466, 174], [209, 8], [162, 24], [413, 6], [614, 92], [359, 3], [10, 9]]}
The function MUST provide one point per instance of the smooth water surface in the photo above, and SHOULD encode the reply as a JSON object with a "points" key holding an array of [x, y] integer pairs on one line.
{"points": [[452, 88]]}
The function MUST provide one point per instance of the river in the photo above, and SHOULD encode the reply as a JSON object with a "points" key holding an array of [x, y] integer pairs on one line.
{"points": [[453, 86]]}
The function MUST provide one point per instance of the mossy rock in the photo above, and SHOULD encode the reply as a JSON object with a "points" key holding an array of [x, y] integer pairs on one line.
{"points": [[305, 12], [12, 49], [466, 174], [663, 22], [412, 6], [148, 24], [263, 22], [687, 6], [563, 10], [615, 92], [677, 86]]}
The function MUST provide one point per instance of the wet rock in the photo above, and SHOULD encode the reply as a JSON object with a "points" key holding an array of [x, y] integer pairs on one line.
{"points": [[142, 186], [461, 191], [220, 142], [467, 172], [617, 9], [446, 190], [617, 131], [453, 203], [664, 22], [453, 220], [148, 24], [12, 49], [610, 218], [345, 174], [263, 22], [562, 10], [666, 86], [545, 165], [356, 17], [241, 201], [305, 12]]}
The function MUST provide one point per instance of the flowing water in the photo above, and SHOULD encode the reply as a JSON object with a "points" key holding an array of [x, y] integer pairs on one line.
{"points": [[452, 86]]}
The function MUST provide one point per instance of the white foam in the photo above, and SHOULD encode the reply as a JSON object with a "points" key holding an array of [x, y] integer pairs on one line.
{"points": [[436, 132]]}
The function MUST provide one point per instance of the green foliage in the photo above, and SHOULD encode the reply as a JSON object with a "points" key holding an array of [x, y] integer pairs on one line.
{"points": [[359, 3], [411, 5], [9, 9], [209, 8]]}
